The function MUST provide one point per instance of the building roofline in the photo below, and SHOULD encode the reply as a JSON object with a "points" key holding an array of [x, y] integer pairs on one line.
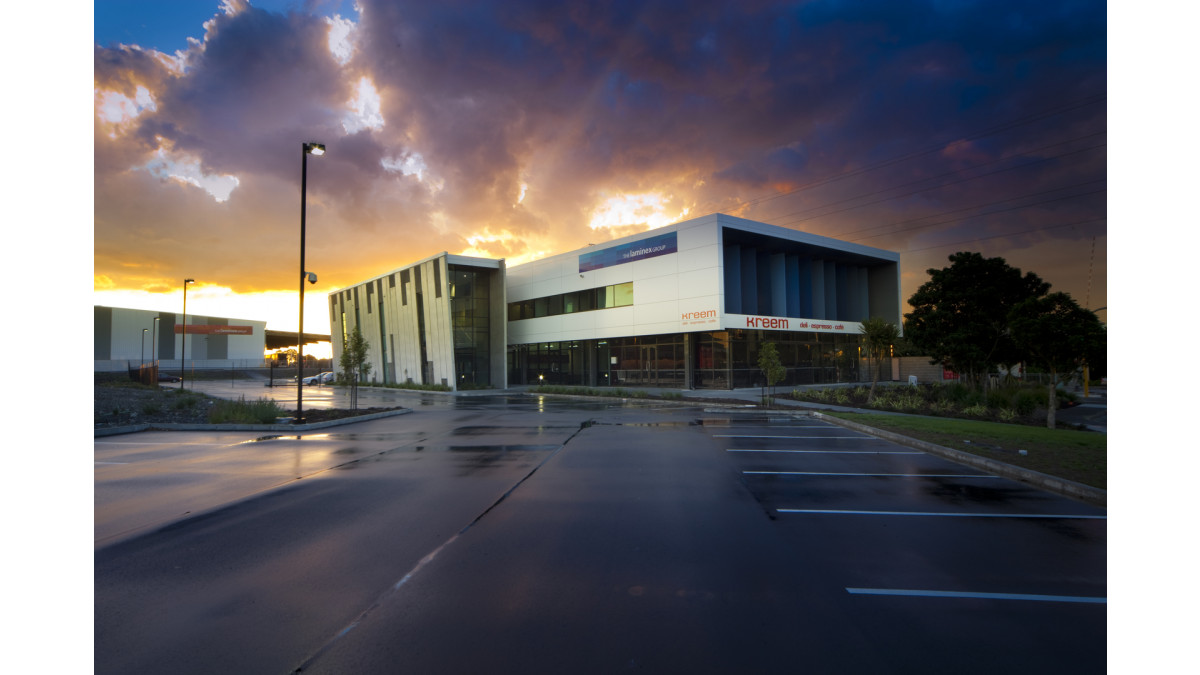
{"points": [[734, 222]]}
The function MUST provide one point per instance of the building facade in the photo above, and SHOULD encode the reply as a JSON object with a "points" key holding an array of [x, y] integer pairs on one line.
{"points": [[437, 321], [684, 306], [212, 342]]}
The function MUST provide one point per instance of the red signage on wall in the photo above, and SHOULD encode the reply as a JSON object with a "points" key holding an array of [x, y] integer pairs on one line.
{"points": [[202, 329], [949, 374]]}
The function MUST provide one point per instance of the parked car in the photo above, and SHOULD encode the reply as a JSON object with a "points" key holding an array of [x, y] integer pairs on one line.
{"points": [[163, 377], [319, 378], [327, 377]]}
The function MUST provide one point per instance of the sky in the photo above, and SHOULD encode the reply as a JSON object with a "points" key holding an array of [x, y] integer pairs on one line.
{"points": [[518, 130]]}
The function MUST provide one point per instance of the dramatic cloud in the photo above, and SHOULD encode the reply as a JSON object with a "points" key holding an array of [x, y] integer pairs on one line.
{"points": [[521, 129]]}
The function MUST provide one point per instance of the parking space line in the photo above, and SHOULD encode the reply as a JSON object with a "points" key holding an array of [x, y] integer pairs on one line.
{"points": [[895, 475], [941, 513], [833, 452], [971, 595]]}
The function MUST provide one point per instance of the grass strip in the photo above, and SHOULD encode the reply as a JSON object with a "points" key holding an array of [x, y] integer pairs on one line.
{"points": [[1080, 456]]}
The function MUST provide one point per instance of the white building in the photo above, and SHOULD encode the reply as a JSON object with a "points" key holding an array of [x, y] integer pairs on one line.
{"points": [[437, 321], [686, 305], [125, 338]]}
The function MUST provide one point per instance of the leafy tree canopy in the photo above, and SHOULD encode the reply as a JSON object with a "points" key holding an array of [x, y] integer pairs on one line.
{"points": [[960, 317], [1057, 334]]}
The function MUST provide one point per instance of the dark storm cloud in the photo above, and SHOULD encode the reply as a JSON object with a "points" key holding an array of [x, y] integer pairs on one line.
{"points": [[262, 81], [719, 105]]}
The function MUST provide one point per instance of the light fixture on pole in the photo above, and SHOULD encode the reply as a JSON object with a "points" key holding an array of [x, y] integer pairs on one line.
{"points": [[183, 338], [318, 149], [142, 358]]}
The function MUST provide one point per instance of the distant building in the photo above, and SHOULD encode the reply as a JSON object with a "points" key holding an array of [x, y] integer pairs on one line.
{"points": [[212, 342], [683, 306]]}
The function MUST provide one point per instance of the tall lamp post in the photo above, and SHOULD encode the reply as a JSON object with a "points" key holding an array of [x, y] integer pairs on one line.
{"points": [[142, 358], [318, 149], [183, 356], [153, 343]]}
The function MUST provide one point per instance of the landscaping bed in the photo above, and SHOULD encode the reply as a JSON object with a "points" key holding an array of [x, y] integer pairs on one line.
{"points": [[120, 404]]}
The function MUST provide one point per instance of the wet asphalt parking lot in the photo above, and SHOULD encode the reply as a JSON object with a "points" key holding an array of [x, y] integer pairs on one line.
{"points": [[533, 534]]}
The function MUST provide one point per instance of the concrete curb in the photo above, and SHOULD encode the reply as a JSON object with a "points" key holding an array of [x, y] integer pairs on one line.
{"points": [[1085, 493], [114, 431]]}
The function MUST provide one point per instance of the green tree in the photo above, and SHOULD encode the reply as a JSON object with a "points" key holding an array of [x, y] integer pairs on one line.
{"points": [[960, 317], [353, 362], [772, 367], [879, 334], [1056, 334]]}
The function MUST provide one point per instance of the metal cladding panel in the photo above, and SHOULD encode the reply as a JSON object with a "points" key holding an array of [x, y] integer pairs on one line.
{"points": [[439, 338], [102, 329], [733, 279], [498, 337], [699, 284], [749, 281], [792, 282]]}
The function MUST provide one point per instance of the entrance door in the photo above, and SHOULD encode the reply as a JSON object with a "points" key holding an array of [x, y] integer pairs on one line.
{"points": [[649, 364]]}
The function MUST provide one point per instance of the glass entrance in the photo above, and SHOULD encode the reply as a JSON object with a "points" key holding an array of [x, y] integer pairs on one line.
{"points": [[649, 373]]}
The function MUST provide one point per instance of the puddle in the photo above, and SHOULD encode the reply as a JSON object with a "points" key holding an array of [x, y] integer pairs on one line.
{"points": [[501, 448], [512, 431], [304, 437]]}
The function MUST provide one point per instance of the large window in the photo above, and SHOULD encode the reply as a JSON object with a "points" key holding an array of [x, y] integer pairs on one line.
{"points": [[605, 297], [470, 313]]}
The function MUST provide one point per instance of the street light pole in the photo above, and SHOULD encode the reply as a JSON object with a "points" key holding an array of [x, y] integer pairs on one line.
{"points": [[142, 358], [153, 344], [183, 339], [318, 149]]}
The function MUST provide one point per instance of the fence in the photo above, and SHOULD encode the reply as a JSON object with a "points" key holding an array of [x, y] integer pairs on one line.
{"points": [[209, 369]]}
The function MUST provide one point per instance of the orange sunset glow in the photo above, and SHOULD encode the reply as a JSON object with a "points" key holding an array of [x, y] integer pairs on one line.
{"points": [[523, 133]]}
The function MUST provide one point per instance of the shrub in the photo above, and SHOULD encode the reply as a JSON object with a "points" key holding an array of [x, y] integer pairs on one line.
{"points": [[999, 398], [1027, 401], [976, 410], [910, 401], [1006, 414], [150, 408], [404, 385], [262, 411], [184, 402], [942, 407]]}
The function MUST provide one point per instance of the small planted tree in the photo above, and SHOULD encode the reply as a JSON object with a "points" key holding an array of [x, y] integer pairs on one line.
{"points": [[353, 362], [772, 367], [879, 335], [1056, 334]]}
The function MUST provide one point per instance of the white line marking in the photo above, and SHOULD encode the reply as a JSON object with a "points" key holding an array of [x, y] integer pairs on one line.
{"points": [[896, 475], [833, 452], [985, 596], [937, 513]]}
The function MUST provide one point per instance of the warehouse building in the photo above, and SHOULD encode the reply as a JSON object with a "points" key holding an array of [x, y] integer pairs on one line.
{"points": [[683, 306], [126, 338]]}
